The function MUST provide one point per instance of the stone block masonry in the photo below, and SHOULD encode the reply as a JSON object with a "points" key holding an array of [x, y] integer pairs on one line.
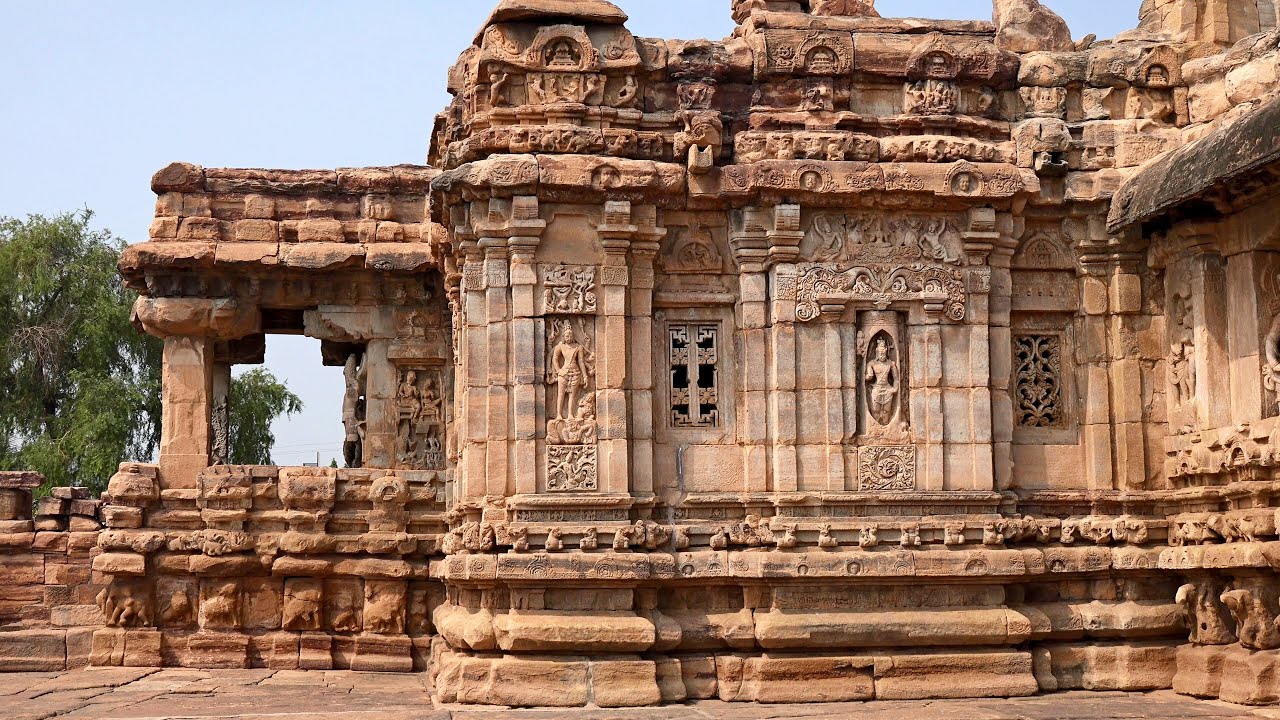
{"points": [[845, 358]]}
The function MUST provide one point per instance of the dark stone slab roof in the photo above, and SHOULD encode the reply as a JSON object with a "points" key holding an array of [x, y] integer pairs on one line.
{"points": [[1211, 163]]}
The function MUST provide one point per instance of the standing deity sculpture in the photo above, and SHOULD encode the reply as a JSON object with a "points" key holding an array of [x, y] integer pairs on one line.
{"points": [[570, 373], [221, 421], [354, 374], [1271, 351], [881, 377], [1182, 350]]}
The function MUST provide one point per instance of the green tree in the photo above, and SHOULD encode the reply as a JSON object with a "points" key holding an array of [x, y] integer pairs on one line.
{"points": [[79, 386], [257, 398]]}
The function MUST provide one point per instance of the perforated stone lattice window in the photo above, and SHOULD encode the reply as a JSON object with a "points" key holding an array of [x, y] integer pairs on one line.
{"points": [[1038, 391], [694, 354]]}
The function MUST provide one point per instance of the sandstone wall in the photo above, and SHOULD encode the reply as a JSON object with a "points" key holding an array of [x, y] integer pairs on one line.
{"points": [[48, 595], [847, 357]]}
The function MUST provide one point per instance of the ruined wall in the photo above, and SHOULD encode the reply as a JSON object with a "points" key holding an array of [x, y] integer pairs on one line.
{"points": [[48, 600]]}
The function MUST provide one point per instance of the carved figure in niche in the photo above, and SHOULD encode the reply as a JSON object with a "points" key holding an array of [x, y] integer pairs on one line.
{"points": [[519, 540], [220, 452], [420, 421], [344, 609], [1207, 618], [696, 95], [881, 376], [1157, 76], [821, 61], [812, 181], [1182, 369], [816, 98], [384, 607], [930, 97], [628, 94], [177, 610], [910, 536], [572, 367], [562, 54], [126, 604], [355, 375], [693, 250], [498, 89], [302, 605], [1271, 368], [220, 606]]}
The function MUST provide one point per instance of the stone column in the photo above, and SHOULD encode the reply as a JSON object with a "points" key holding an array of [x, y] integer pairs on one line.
{"points": [[1248, 276], [750, 250], [1095, 393], [1127, 403], [187, 390], [644, 248], [221, 399], [380, 412], [784, 238], [1000, 351], [526, 342], [472, 382], [612, 349], [499, 480], [190, 328]]}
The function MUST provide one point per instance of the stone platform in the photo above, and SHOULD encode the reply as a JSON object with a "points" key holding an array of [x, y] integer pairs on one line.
{"points": [[260, 694]]}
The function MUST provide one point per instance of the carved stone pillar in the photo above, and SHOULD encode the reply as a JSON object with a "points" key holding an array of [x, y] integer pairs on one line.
{"points": [[612, 348], [526, 339], [999, 306], [784, 238], [473, 372], [1209, 308], [380, 413], [220, 416], [190, 328], [499, 478], [644, 248], [1095, 422], [185, 430], [750, 249]]}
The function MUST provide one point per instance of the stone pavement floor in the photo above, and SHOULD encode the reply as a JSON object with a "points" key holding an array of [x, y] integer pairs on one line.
{"points": [[177, 694]]}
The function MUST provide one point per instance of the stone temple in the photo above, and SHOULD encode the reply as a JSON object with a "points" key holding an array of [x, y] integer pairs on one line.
{"points": [[844, 358]]}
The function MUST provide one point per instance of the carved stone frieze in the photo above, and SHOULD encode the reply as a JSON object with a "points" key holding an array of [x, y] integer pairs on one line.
{"points": [[569, 289], [755, 146], [822, 287], [835, 237], [571, 468], [885, 468], [420, 419]]}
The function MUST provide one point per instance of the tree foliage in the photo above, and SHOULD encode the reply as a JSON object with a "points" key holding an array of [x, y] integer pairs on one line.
{"points": [[79, 386], [257, 398]]}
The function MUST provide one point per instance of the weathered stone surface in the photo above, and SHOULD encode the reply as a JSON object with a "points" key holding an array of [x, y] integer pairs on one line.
{"points": [[1027, 26], [845, 358]]}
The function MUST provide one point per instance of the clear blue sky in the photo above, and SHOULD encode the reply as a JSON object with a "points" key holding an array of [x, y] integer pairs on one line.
{"points": [[95, 96]]}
